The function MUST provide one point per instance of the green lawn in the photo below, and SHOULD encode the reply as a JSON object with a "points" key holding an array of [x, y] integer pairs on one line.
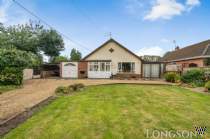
{"points": [[117, 112], [5, 88]]}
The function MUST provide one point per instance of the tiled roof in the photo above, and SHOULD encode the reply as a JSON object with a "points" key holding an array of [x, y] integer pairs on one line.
{"points": [[111, 40], [201, 49]]}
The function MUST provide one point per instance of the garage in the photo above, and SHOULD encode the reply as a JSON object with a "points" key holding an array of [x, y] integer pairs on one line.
{"points": [[151, 70], [69, 69], [152, 66]]}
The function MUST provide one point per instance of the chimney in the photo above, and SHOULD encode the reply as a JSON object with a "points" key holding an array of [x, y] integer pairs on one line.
{"points": [[177, 48]]}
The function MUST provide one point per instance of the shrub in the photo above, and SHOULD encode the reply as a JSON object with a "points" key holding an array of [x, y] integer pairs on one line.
{"points": [[62, 90], [11, 76], [172, 77], [59, 59], [207, 85], [207, 74], [77, 87], [17, 58], [195, 77], [12, 63]]}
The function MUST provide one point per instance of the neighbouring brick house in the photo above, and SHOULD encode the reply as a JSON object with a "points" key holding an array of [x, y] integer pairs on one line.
{"points": [[196, 55]]}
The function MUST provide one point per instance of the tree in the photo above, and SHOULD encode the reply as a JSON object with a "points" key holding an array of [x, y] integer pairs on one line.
{"points": [[23, 37], [75, 55], [17, 58], [31, 37], [59, 59], [51, 43]]}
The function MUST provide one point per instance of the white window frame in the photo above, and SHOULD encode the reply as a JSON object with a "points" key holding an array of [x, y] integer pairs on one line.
{"points": [[108, 66], [97, 66], [132, 64], [102, 66], [93, 66]]}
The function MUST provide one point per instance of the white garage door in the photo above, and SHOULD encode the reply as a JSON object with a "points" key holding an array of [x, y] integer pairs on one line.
{"points": [[151, 70], [70, 70], [146, 69], [155, 70]]}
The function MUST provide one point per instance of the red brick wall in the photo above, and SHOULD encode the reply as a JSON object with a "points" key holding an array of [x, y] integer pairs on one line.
{"points": [[82, 69], [185, 64]]}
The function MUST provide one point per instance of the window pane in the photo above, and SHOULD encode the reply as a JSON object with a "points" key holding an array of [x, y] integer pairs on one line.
{"points": [[91, 67], [102, 66], [119, 67], [132, 67], [95, 67], [108, 66]]}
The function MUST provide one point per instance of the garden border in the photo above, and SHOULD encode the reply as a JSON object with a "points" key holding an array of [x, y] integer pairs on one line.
{"points": [[14, 121]]}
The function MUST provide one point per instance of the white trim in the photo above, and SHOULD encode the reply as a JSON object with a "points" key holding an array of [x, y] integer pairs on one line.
{"points": [[206, 49], [97, 74]]}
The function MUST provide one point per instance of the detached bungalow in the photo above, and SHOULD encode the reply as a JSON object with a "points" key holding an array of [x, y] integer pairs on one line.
{"points": [[110, 60], [113, 59]]}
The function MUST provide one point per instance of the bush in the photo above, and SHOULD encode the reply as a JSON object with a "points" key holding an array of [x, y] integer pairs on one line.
{"points": [[17, 58], [77, 87], [195, 77], [59, 59], [62, 90], [12, 63], [207, 85], [207, 74], [172, 77], [11, 76], [70, 89]]}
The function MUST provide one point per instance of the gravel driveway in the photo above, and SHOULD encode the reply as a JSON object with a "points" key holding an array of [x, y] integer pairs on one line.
{"points": [[35, 91]]}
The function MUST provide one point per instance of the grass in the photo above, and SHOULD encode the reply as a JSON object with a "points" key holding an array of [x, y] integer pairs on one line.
{"points": [[118, 112], [5, 88]]}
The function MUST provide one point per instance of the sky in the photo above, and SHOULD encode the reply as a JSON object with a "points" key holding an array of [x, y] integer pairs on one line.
{"points": [[146, 27]]}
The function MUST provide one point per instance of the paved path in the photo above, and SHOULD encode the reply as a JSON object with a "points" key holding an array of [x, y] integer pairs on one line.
{"points": [[35, 91]]}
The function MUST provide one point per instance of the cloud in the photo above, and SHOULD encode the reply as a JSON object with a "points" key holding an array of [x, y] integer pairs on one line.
{"points": [[159, 9], [193, 3], [133, 5], [156, 50], [165, 9], [5, 4], [11, 14]]}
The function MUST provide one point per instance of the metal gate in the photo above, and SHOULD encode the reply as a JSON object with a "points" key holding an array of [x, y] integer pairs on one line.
{"points": [[151, 70]]}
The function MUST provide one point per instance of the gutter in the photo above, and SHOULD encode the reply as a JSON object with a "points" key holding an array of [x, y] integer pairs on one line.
{"points": [[190, 58]]}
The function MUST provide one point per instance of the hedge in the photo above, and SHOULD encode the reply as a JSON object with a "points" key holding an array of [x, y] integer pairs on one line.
{"points": [[11, 76], [12, 63]]}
